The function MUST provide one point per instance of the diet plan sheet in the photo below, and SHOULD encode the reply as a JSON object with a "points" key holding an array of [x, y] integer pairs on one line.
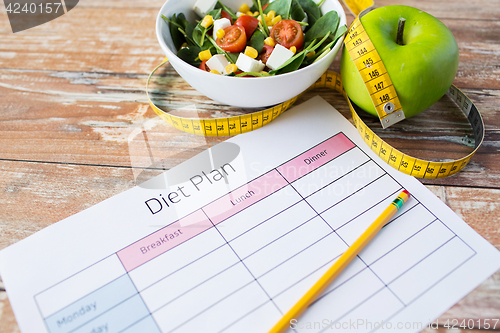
{"points": [[229, 240]]}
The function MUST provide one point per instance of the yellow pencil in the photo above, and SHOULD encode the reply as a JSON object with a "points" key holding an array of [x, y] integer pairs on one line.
{"points": [[340, 264]]}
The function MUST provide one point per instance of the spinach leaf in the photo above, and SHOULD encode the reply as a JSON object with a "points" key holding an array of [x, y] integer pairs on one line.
{"points": [[188, 26], [232, 57], [177, 36], [257, 40], [174, 25], [292, 66], [296, 11], [340, 32], [190, 55], [281, 7], [327, 24], [311, 9], [199, 32], [226, 9], [293, 63]]}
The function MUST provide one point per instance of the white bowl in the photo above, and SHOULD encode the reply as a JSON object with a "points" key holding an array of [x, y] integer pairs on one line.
{"points": [[237, 91]]}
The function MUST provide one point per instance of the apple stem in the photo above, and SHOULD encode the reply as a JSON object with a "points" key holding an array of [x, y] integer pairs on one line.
{"points": [[401, 27]]}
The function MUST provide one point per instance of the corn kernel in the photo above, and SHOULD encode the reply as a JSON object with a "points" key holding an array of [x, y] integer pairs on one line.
{"points": [[214, 71], [276, 20], [231, 68], [271, 14], [249, 13], [251, 52], [207, 21], [256, 13], [220, 33], [293, 49], [244, 8], [311, 54], [268, 22], [269, 41], [184, 45], [205, 55]]}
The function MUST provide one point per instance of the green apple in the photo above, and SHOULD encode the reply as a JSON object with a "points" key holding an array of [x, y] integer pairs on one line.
{"points": [[421, 69]]}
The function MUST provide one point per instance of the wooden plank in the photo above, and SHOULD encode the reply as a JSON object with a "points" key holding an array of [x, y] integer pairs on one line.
{"points": [[8, 322], [448, 329], [124, 42], [30, 191], [478, 207], [36, 195], [70, 122], [475, 9], [442, 9], [100, 114], [481, 304], [39, 93], [81, 42]]}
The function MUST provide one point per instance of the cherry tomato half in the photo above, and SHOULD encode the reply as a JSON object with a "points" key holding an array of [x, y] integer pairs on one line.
{"points": [[225, 14], [288, 33], [266, 53], [247, 22], [204, 67], [234, 40]]}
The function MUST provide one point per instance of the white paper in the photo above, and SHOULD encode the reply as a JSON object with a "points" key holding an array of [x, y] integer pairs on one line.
{"points": [[230, 245]]}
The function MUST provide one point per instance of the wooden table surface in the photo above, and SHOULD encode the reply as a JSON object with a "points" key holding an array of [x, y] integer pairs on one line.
{"points": [[72, 97]]}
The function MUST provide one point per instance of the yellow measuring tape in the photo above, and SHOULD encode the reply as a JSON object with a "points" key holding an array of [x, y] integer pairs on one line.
{"points": [[227, 126], [385, 99], [374, 75], [357, 6]]}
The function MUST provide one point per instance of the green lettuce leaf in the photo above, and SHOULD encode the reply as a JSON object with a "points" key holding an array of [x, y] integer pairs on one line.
{"points": [[296, 11], [281, 7], [312, 10], [257, 40], [190, 55], [327, 24], [199, 33]]}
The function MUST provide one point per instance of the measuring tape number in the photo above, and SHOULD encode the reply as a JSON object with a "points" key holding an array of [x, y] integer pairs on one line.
{"points": [[374, 75]]}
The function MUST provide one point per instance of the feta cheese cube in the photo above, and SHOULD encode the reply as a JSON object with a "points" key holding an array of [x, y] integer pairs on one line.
{"points": [[219, 63], [220, 24], [202, 7], [238, 14], [279, 56], [247, 64]]}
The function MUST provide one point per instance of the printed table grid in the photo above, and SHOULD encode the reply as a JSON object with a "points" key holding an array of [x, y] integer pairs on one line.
{"points": [[274, 297]]}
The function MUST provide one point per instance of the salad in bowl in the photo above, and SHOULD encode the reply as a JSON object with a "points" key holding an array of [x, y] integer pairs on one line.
{"points": [[251, 54], [269, 38]]}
